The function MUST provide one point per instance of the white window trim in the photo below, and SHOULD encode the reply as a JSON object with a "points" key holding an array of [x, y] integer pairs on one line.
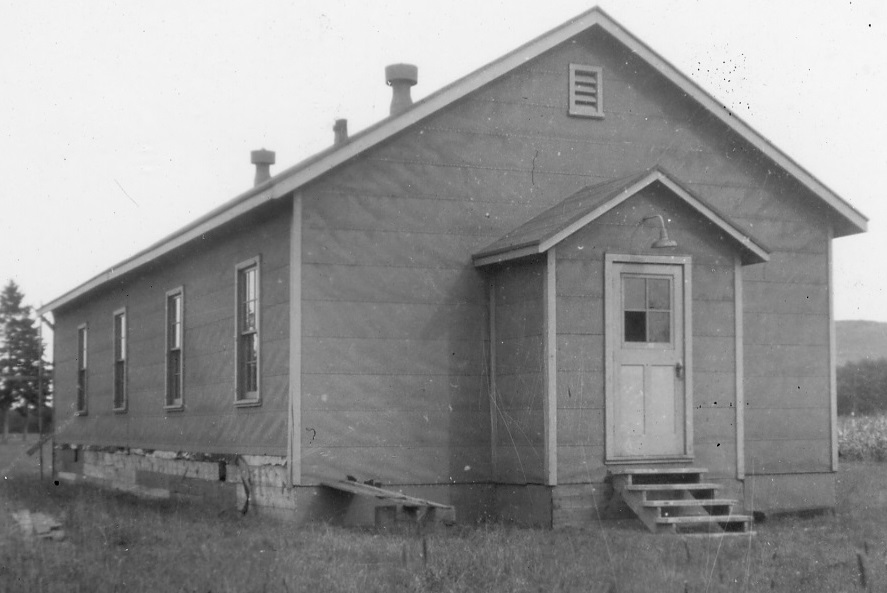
{"points": [[179, 403], [82, 359], [239, 399], [120, 409]]}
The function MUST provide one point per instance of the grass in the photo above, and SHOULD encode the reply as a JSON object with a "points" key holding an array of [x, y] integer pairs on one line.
{"points": [[863, 438], [117, 543]]}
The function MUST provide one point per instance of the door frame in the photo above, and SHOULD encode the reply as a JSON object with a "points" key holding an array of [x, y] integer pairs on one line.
{"points": [[612, 320]]}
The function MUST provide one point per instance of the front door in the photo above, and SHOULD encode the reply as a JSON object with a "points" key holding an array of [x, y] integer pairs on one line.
{"points": [[647, 333]]}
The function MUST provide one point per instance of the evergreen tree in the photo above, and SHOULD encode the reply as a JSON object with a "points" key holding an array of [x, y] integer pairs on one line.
{"points": [[21, 351]]}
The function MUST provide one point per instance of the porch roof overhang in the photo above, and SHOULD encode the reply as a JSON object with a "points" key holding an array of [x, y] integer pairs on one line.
{"points": [[552, 226]]}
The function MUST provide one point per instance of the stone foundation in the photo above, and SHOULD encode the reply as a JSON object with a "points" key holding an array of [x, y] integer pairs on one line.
{"points": [[223, 481]]}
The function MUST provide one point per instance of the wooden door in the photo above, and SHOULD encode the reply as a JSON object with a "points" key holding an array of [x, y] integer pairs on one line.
{"points": [[647, 347]]}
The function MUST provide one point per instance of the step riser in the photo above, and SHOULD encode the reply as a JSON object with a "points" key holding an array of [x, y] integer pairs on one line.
{"points": [[688, 504]]}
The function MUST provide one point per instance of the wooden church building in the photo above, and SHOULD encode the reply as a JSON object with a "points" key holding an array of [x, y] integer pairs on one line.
{"points": [[568, 272]]}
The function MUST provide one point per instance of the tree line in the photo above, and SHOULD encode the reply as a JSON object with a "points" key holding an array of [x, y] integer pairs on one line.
{"points": [[25, 375], [862, 387]]}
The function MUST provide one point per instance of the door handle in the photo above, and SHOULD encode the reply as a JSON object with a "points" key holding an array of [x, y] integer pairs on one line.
{"points": [[679, 370]]}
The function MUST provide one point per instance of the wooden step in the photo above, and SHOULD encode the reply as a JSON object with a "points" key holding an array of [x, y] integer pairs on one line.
{"points": [[677, 475], [691, 502], [686, 519], [689, 524], [689, 506], [671, 487], [672, 499], [646, 471]]}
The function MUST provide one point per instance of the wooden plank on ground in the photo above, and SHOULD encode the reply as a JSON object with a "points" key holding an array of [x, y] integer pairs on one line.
{"points": [[383, 494]]}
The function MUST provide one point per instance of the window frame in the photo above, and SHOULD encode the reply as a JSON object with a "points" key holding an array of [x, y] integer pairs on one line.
{"points": [[81, 402], [178, 403], [247, 398], [647, 310], [575, 107], [120, 357]]}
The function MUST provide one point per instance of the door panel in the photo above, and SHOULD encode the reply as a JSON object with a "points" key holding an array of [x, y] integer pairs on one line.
{"points": [[646, 400]]}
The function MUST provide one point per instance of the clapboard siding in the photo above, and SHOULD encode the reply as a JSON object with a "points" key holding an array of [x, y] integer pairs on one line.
{"points": [[386, 284], [715, 389], [785, 424], [787, 456], [578, 464], [790, 267], [580, 389], [393, 428], [400, 465], [209, 421], [408, 392], [580, 426], [520, 387], [344, 319], [781, 390]]}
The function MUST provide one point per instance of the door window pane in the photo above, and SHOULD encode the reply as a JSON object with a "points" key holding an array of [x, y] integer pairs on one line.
{"points": [[646, 309], [635, 326], [633, 290], [659, 293], [659, 326]]}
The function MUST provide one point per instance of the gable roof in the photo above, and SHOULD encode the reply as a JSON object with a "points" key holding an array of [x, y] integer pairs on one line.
{"points": [[849, 220], [552, 226]]}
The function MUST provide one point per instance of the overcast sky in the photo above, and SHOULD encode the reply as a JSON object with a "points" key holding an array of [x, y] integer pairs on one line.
{"points": [[123, 121]]}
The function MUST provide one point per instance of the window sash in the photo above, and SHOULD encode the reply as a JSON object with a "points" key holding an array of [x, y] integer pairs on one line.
{"points": [[174, 348], [82, 365], [120, 361], [248, 331]]}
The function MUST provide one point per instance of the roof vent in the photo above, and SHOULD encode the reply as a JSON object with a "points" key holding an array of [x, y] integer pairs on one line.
{"points": [[262, 159], [340, 132], [400, 77]]}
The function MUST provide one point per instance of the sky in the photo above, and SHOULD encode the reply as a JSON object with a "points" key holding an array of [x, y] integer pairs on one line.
{"points": [[121, 122]]}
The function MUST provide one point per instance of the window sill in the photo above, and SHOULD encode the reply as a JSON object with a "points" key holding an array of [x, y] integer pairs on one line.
{"points": [[583, 115], [180, 407], [120, 410], [248, 403], [80, 413]]}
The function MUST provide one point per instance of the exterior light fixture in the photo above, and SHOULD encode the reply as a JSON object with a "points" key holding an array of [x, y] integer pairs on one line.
{"points": [[663, 241]]}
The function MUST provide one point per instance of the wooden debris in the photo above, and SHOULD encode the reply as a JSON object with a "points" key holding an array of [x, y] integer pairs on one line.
{"points": [[39, 525], [399, 506]]}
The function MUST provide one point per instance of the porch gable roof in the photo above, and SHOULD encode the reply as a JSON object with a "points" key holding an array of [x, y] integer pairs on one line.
{"points": [[550, 227]]}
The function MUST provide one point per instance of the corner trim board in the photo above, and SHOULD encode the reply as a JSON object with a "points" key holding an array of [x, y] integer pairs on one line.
{"points": [[550, 337], [832, 352], [294, 426], [739, 334]]}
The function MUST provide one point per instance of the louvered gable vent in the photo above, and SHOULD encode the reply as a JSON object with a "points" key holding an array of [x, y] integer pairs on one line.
{"points": [[585, 91]]}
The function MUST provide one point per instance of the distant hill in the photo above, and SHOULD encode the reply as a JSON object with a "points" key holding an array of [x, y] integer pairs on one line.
{"points": [[858, 340]]}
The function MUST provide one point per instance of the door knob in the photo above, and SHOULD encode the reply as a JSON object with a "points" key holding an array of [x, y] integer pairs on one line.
{"points": [[679, 370]]}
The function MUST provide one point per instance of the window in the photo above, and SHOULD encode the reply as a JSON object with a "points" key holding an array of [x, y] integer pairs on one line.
{"points": [[646, 309], [248, 328], [586, 96], [174, 348], [82, 340], [120, 361]]}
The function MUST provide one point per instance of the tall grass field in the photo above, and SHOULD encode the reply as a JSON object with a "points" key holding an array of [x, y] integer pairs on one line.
{"points": [[114, 542], [862, 438]]}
